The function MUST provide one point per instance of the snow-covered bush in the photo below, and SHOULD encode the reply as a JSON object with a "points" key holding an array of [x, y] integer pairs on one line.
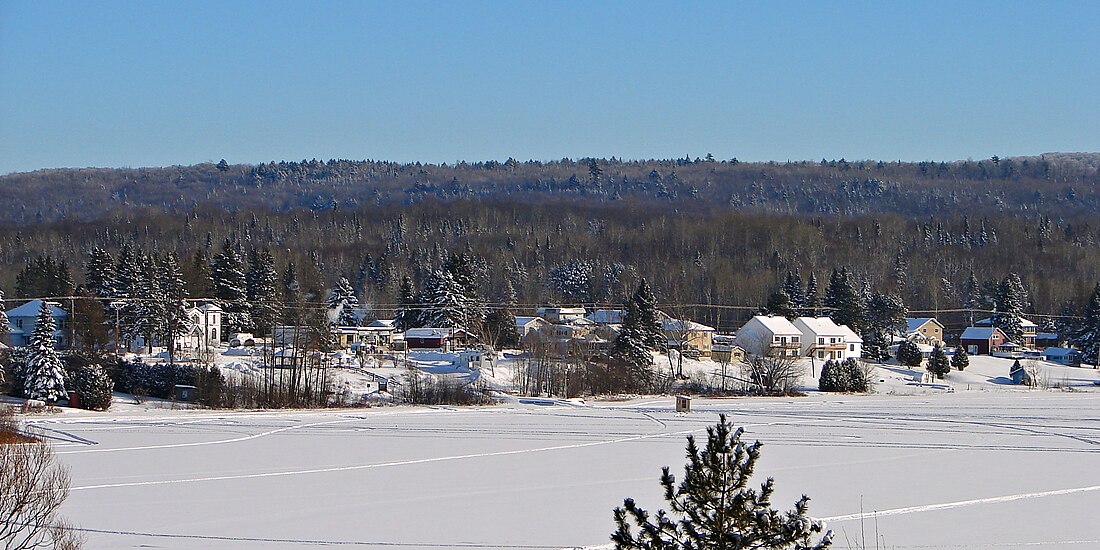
{"points": [[93, 385], [844, 376]]}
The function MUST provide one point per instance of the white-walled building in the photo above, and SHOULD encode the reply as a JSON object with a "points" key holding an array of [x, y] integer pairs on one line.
{"points": [[821, 338], [770, 335], [24, 318]]}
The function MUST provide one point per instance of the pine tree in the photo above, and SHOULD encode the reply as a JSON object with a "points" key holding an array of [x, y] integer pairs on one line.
{"points": [[780, 304], [408, 314], [631, 350], [93, 385], [1011, 299], [885, 318], [262, 291], [99, 276], [230, 289], [793, 288], [1087, 336], [715, 508], [938, 364], [848, 308], [342, 303], [832, 377], [145, 311], [5, 326], [172, 292], [45, 374], [909, 354], [810, 298], [961, 359], [444, 302], [649, 327]]}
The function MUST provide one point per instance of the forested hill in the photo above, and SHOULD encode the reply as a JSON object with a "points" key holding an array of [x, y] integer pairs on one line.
{"points": [[1059, 184]]}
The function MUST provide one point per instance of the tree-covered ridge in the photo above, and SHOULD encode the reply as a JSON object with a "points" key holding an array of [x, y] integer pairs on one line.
{"points": [[1063, 183]]}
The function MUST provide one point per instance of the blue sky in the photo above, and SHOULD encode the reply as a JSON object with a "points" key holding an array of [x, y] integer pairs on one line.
{"points": [[160, 83]]}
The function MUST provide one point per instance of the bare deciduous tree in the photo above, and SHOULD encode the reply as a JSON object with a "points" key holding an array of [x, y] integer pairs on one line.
{"points": [[32, 488]]}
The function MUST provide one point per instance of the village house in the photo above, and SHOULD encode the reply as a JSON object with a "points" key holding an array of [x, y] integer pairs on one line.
{"points": [[770, 335], [527, 325], [202, 331], [24, 318], [691, 338], [560, 314], [821, 338], [924, 330], [441, 338], [982, 340], [727, 353], [1063, 356], [1030, 330], [607, 316]]}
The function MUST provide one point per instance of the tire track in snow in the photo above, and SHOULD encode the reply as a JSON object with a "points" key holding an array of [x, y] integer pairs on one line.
{"points": [[960, 504], [387, 464]]}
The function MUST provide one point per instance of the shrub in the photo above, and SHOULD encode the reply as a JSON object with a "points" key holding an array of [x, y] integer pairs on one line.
{"points": [[93, 386], [844, 376]]}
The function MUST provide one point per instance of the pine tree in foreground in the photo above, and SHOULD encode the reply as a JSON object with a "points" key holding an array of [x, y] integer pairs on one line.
{"points": [[938, 363], [45, 372], [961, 359], [714, 507]]}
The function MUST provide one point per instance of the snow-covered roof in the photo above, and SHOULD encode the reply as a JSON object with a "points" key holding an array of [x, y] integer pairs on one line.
{"points": [[683, 324], [381, 323], [607, 316], [819, 326], [850, 335], [777, 324], [524, 321], [914, 323], [1046, 336], [1059, 352], [432, 332], [561, 310], [31, 308], [988, 321], [979, 333], [209, 307]]}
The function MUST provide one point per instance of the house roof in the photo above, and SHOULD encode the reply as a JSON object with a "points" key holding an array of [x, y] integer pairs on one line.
{"points": [[820, 326], [561, 310], [433, 332], [524, 321], [31, 308], [988, 321], [850, 335], [683, 324], [381, 323], [980, 333], [209, 307], [1059, 351], [914, 323], [607, 316], [776, 324]]}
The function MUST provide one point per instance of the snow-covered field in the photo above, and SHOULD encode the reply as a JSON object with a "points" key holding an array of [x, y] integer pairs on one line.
{"points": [[969, 469]]}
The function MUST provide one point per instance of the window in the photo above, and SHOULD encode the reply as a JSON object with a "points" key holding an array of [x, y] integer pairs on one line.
{"points": [[820, 355], [794, 339], [832, 340], [19, 323], [821, 341], [852, 347]]}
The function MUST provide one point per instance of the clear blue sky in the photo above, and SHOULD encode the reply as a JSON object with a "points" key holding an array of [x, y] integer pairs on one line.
{"points": [[158, 83]]}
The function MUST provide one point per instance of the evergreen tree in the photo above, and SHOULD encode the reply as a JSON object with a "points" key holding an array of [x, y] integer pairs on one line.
{"points": [[631, 350], [1087, 336], [93, 385], [500, 328], [832, 377], [172, 293], [848, 308], [961, 359], [146, 309], [1011, 300], [444, 302], [5, 326], [793, 288], [885, 318], [262, 291], [649, 327], [810, 298], [715, 508], [342, 303], [45, 374], [99, 277], [230, 289], [780, 304], [909, 354], [408, 314], [938, 364]]}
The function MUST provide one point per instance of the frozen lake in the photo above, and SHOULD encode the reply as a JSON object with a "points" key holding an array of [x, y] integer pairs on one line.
{"points": [[964, 470]]}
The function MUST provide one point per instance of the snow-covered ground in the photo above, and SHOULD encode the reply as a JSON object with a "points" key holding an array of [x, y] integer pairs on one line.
{"points": [[986, 466]]}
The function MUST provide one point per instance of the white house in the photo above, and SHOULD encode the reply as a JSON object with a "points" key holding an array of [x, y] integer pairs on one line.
{"points": [[203, 330], [822, 338], [770, 335], [527, 325], [24, 318], [560, 314], [855, 343]]}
